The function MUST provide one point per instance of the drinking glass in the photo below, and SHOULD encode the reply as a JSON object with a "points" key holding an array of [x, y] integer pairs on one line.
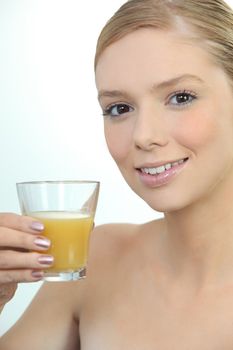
{"points": [[67, 210]]}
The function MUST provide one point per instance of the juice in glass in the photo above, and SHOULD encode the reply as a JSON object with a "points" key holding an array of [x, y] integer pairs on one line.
{"points": [[69, 235]]}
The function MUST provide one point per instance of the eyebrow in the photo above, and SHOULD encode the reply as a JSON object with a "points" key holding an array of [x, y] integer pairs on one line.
{"points": [[160, 86], [176, 80], [112, 93]]}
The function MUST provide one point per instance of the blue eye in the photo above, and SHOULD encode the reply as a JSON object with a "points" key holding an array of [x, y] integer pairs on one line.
{"points": [[117, 109], [182, 98]]}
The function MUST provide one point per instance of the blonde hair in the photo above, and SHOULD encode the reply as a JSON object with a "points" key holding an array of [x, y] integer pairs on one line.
{"points": [[210, 20]]}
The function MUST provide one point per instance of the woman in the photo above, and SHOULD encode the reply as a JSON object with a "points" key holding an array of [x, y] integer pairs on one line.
{"points": [[164, 75]]}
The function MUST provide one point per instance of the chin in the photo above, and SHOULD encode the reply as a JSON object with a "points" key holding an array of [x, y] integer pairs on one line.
{"points": [[165, 199], [166, 208], [166, 204]]}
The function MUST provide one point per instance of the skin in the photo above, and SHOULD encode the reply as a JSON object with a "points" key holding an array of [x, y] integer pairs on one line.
{"points": [[166, 284]]}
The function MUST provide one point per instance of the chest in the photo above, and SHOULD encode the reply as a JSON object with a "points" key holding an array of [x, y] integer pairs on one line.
{"points": [[128, 316]]}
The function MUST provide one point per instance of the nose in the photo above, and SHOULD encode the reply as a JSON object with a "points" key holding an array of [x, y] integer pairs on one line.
{"points": [[150, 129]]}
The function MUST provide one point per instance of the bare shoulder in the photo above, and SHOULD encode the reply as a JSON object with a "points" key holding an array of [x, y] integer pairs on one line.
{"points": [[114, 270], [121, 233], [110, 241], [113, 233]]}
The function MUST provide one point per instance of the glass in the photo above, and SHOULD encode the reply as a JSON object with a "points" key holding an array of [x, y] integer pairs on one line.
{"points": [[67, 210]]}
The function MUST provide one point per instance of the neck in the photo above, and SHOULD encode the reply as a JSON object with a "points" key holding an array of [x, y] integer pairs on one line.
{"points": [[199, 239]]}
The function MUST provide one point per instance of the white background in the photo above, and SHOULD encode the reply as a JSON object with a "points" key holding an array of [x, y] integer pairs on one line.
{"points": [[50, 122]]}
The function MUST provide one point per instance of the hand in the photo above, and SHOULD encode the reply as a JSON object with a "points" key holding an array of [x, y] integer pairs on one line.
{"points": [[21, 253], [7, 292]]}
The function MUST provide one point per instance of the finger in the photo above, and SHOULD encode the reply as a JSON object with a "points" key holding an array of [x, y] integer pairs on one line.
{"points": [[15, 260], [17, 276], [21, 223], [17, 239]]}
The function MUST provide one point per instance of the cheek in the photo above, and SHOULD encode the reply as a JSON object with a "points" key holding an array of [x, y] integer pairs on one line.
{"points": [[195, 130], [118, 139]]}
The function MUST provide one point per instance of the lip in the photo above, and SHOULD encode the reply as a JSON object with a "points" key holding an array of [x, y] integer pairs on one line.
{"points": [[161, 179]]}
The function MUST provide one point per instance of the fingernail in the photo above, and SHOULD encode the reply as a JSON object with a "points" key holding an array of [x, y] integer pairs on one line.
{"points": [[37, 274], [46, 260], [42, 242], [37, 226]]}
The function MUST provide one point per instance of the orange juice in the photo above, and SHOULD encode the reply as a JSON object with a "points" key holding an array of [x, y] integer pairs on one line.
{"points": [[69, 235]]}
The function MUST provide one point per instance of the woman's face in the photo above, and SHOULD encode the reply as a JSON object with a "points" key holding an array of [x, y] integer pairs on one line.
{"points": [[168, 117]]}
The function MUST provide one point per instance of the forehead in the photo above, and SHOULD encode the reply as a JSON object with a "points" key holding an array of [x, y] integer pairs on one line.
{"points": [[152, 53]]}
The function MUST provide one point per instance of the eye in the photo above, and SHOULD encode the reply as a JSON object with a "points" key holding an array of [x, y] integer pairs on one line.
{"points": [[181, 98], [117, 109]]}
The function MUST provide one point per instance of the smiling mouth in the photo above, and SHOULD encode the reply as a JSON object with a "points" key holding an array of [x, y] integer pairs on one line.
{"points": [[162, 168]]}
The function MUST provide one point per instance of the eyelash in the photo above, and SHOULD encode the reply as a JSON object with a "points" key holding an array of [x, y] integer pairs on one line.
{"points": [[186, 93], [190, 94], [109, 110]]}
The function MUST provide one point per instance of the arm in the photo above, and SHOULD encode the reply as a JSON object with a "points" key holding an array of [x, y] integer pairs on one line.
{"points": [[49, 323]]}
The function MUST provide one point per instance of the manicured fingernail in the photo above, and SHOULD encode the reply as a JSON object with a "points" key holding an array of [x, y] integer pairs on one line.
{"points": [[37, 226], [46, 260], [37, 274], [42, 242]]}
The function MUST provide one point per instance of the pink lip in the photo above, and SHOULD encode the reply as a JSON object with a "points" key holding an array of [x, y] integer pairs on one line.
{"points": [[163, 178]]}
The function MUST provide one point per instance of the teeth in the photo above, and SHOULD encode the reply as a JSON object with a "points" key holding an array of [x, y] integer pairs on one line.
{"points": [[168, 166], [162, 168], [175, 163]]}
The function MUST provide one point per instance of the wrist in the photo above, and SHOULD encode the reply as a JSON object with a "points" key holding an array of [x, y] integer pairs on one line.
{"points": [[1, 308]]}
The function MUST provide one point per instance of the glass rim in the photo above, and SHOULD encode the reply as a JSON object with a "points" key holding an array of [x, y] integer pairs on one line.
{"points": [[57, 182]]}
